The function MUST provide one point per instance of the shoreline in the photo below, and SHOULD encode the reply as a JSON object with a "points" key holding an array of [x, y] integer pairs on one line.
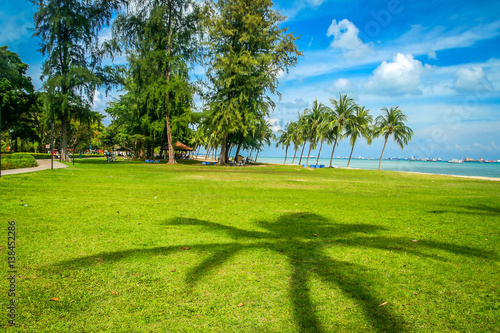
{"points": [[494, 179]]}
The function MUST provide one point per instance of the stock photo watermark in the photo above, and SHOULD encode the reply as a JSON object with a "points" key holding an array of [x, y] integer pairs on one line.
{"points": [[11, 273]]}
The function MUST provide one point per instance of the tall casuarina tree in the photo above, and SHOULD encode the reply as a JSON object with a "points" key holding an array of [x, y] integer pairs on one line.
{"points": [[248, 51], [68, 32], [161, 37], [392, 123]]}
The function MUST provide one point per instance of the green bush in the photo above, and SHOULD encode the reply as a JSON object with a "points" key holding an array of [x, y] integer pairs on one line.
{"points": [[90, 155], [17, 160], [40, 156]]}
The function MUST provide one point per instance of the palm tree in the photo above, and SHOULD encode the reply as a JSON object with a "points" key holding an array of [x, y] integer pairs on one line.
{"points": [[263, 135], [285, 139], [294, 132], [359, 126], [302, 133], [313, 120], [342, 112], [392, 122]]}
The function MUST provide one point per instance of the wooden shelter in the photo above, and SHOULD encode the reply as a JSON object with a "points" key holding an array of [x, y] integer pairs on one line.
{"points": [[178, 147]]}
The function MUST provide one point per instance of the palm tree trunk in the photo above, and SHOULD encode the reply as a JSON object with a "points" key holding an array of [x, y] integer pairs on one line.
{"points": [[349, 162], [319, 153], [309, 153], [302, 153], [294, 154], [380, 162], [333, 150], [286, 154], [256, 156]]}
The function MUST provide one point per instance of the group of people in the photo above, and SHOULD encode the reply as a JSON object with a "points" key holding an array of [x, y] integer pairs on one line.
{"points": [[110, 157]]}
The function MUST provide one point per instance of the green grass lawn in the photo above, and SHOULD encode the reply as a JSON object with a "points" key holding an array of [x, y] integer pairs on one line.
{"points": [[134, 247]]}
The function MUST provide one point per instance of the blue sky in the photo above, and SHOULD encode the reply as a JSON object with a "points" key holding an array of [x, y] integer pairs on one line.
{"points": [[437, 60]]}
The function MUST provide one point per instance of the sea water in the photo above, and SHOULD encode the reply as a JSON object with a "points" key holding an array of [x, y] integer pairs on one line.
{"points": [[441, 167]]}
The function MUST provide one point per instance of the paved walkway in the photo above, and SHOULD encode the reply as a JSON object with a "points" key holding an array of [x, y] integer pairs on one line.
{"points": [[42, 165]]}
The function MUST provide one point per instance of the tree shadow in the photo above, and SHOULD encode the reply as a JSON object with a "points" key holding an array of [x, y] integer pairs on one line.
{"points": [[470, 210], [304, 239]]}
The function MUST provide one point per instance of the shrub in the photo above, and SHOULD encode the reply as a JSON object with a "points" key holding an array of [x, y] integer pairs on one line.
{"points": [[17, 160]]}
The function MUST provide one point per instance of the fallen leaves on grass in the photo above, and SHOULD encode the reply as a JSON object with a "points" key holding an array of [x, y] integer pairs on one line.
{"points": [[114, 292], [55, 299], [383, 304], [240, 305], [414, 240], [173, 270], [186, 248]]}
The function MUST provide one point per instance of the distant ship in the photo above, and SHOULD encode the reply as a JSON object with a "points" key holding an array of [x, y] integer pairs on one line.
{"points": [[455, 161]]}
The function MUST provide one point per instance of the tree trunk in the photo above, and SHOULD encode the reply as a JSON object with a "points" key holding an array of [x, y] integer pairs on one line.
{"points": [[223, 158], [237, 153], [64, 139], [142, 154], [286, 154], [319, 153], [309, 153], [349, 162], [171, 152], [251, 152], [302, 153], [333, 150], [256, 156], [230, 150], [380, 161], [294, 154]]}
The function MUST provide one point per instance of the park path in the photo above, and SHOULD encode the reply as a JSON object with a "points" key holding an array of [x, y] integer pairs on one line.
{"points": [[42, 165]]}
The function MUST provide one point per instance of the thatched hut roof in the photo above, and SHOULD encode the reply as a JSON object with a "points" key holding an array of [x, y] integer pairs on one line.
{"points": [[179, 147]]}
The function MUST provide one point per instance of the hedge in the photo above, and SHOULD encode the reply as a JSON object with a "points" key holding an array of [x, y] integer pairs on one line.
{"points": [[43, 156], [18, 160]]}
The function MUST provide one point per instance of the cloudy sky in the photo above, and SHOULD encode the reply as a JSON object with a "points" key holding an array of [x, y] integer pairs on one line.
{"points": [[437, 60]]}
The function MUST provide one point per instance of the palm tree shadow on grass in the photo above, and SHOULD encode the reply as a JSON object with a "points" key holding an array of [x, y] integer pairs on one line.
{"points": [[293, 235]]}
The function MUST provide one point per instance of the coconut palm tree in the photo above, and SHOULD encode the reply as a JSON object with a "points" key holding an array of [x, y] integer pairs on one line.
{"points": [[294, 132], [262, 135], [359, 126], [285, 139], [302, 132], [392, 122], [338, 117], [313, 120]]}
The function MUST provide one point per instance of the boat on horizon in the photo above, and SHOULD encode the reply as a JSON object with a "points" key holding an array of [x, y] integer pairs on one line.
{"points": [[454, 160]]}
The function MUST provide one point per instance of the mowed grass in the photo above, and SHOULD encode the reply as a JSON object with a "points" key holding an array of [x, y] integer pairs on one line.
{"points": [[133, 247]]}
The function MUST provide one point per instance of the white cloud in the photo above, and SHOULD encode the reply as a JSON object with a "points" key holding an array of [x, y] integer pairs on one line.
{"points": [[472, 79], [344, 86], [274, 124], [346, 38], [298, 103], [99, 103], [420, 40], [315, 3], [401, 76]]}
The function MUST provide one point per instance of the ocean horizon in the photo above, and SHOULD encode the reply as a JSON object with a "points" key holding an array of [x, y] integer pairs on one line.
{"points": [[439, 167]]}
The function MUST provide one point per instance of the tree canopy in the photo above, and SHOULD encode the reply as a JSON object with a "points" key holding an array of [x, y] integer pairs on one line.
{"points": [[248, 51], [68, 32]]}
